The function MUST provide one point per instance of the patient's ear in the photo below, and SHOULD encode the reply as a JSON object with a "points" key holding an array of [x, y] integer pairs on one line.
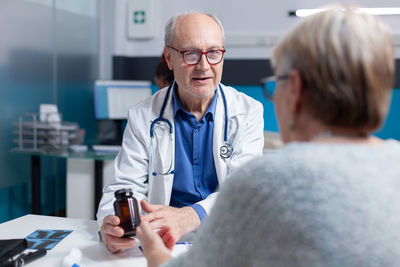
{"points": [[297, 92]]}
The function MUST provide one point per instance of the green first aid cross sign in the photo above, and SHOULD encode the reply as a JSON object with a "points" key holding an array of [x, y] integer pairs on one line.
{"points": [[139, 17]]}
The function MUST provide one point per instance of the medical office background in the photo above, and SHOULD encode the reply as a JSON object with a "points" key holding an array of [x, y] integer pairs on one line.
{"points": [[52, 51]]}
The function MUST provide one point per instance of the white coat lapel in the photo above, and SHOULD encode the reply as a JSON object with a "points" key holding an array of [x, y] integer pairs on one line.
{"points": [[219, 130], [162, 184], [218, 138], [165, 153]]}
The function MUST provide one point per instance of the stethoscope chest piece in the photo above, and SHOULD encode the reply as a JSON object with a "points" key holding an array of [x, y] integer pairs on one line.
{"points": [[226, 150]]}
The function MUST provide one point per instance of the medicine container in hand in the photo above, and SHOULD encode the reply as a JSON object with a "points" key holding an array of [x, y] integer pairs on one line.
{"points": [[126, 208]]}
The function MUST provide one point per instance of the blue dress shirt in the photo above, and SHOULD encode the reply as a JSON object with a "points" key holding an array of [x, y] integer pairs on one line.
{"points": [[195, 176]]}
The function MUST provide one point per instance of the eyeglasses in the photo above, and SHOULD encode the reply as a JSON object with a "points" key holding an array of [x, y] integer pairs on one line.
{"points": [[268, 85], [193, 57]]}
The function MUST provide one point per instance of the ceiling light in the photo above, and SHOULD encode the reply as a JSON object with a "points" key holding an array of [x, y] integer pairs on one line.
{"points": [[374, 11]]}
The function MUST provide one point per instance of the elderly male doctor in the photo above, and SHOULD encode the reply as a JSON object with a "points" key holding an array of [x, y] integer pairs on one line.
{"points": [[181, 144]]}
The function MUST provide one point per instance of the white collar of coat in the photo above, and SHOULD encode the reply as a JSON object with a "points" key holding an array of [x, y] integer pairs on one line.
{"points": [[230, 94]]}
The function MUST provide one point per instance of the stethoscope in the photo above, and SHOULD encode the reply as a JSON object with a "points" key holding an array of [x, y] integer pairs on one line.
{"points": [[225, 150]]}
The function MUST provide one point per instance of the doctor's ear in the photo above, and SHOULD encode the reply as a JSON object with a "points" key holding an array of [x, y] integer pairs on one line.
{"points": [[167, 55]]}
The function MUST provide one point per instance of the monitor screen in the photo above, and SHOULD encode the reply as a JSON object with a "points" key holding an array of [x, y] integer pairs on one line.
{"points": [[113, 99]]}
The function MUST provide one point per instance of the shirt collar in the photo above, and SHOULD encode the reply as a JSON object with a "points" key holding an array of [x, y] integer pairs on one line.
{"points": [[177, 105]]}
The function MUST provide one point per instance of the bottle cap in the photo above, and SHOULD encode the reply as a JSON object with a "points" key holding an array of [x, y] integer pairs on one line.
{"points": [[123, 193], [72, 259]]}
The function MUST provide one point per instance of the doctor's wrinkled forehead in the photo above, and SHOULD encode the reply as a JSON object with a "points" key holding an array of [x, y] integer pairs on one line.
{"points": [[171, 24]]}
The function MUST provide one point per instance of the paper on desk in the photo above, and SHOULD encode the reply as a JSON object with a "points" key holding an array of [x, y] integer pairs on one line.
{"points": [[179, 249]]}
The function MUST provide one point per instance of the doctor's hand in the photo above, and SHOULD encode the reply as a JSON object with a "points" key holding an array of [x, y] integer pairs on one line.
{"points": [[153, 246], [179, 220], [112, 234]]}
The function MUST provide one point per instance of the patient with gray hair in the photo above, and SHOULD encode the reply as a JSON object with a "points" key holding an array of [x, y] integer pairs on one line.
{"points": [[330, 196]]}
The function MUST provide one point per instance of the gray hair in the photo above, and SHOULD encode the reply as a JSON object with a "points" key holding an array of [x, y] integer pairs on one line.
{"points": [[171, 24], [346, 61]]}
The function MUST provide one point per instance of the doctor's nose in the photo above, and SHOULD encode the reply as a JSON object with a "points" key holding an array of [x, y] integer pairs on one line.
{"points": [[203, 63]]}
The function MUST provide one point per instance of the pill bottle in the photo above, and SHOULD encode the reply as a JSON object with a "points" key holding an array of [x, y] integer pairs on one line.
{"points": [[126, 208]]}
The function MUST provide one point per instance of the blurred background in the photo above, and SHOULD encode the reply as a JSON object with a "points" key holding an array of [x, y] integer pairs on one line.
{"points": [[53, 51]]}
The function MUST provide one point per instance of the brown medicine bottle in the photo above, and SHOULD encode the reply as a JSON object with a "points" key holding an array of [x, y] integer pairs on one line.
{"points": [[126, 208]]}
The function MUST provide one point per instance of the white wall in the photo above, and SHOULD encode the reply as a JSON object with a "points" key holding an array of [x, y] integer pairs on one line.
{"points": [[252, 27]]}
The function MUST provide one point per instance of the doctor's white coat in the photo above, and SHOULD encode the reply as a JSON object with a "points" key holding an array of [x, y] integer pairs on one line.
{"points": [[134, 163]]}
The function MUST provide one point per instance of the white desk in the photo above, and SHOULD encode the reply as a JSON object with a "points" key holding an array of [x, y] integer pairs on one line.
{"points": [[84, 237]]}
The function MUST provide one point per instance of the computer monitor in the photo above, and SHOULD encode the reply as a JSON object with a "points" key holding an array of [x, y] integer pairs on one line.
{"points": [[113, 99]]}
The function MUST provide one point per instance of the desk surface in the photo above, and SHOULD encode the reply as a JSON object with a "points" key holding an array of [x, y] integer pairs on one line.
{"points": [[84, 237]]}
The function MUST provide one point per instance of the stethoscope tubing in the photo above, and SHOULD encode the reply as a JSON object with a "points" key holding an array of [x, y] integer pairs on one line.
{"points": [[225, 150]]}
